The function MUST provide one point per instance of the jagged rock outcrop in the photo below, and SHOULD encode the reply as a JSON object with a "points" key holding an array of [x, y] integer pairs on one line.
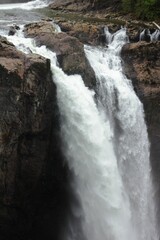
{"points": [[33, 177], [37, 28], [31, 170], [87, 33], [13, 29], [69, 50], [142, 65], [92, 32]]}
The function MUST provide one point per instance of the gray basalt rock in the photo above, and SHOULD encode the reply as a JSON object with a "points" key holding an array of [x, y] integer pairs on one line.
{"points": [[142, 63], [69, 50], [87, 33], [13, 29], [34, 29]]}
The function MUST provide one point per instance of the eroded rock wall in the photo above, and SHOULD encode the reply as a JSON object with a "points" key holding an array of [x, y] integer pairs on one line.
{"points": [[69, 50], [34, 191], [31, 169]]}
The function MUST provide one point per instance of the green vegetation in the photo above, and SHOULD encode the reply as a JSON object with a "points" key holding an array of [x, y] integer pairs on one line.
{"points": [[144, 9]]}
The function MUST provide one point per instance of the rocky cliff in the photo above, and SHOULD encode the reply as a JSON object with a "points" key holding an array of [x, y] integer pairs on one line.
{"points": [[33, 177], [31, 170], [69, 50]]}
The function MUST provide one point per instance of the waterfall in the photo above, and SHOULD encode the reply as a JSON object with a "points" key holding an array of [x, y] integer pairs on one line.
{"points": [[105, 144], [142, 35], [155, 35], [152, 36], [125, 113]]}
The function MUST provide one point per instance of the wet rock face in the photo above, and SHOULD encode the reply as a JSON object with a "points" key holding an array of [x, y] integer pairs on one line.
{"points": [[34, 29], [33, 177], [87, 33], [31, 170], [22, 113], [142, 65], [69, 50], [13, 30]]}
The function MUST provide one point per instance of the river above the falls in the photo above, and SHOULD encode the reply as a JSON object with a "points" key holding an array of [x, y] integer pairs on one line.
{"points": [[13, 1], [14, 12]]}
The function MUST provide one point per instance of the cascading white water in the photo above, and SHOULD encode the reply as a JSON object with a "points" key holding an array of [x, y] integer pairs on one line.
{"points": [[155, 35], [125, 113], [152, 36], [106, 146], [141, 36]]}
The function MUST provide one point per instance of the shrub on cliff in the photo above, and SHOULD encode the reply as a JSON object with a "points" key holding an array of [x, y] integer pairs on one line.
{"points": [[144, 9]]}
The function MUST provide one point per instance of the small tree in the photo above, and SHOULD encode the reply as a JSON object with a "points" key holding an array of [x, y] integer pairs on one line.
{"points": [[145, 9], [128, 5]]}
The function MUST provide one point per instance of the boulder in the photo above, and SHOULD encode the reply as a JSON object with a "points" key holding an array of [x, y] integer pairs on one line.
{"points": [[142, 62], [34, 29], [13, 29], [87, 33], [31, 169], [69, 50]]}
